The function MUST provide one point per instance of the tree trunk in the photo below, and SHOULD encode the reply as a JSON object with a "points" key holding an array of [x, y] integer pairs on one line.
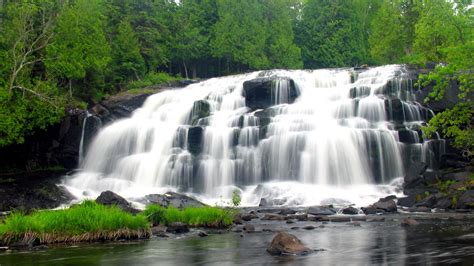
{"points": [[185, 69], [194, 72]]}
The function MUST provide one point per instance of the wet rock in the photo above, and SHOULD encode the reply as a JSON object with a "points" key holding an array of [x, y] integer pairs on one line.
{"points": [[299, 217], [376, 219], [238, 219], [202, 234], [465, 239], [158, 230], [350, 210], [109, 198], [443, 203], [287, 244], [249, 228], [294, 228], [407, 201], [290, 221], [429, 202], [195, 137], [466, 201], [172, 199], [271, 202], [340, 219], [369, 210], [386, 205], [263, 203], [419, 209], [258, 93], [287, 211], [249, 216], [309, 227], [200, 110], [409, 222], [321, 210], [413, 178], [177, 228], [267, 230], [273, 217], [354, 223]]}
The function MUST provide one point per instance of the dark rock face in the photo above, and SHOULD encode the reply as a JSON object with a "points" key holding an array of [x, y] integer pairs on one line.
{"points": [[287, 244], [407, 201], [195, 136], [177, 228], [30, 191], [321, 210], [260, 93], [172, 199], [466, 201], [413, 178], [201, 109]]}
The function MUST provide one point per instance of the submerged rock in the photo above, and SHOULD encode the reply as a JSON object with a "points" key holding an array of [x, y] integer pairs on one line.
{"points": [[287, 244], [249, 228], [261, 93], [177, 228], [409, 222], [273, 217]]}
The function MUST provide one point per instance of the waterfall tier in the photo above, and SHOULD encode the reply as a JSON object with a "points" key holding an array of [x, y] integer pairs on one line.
{"points": [[324, 128]]}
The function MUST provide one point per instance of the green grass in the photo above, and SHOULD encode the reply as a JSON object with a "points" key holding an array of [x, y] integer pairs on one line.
{"points": [[199, 217], [87, 221]]}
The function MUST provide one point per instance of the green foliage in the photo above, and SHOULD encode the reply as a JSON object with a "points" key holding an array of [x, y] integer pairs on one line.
{"points": [[454, 123], [236, 199], [199, 217], [330, 34], [87, 217], [152, 79]]}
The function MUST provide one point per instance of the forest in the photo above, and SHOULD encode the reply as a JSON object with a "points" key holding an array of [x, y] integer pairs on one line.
{"points": [[60, 54]]}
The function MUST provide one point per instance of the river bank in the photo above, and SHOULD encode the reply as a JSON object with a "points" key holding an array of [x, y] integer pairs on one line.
{"points": [[439, 238]]}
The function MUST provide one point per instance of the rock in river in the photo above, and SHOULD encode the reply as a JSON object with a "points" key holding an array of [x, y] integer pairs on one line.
{"points": [[287, 244]]}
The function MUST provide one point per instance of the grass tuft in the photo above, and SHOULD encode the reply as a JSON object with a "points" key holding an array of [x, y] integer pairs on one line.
{"points": [[87, 221], [212, 217]]}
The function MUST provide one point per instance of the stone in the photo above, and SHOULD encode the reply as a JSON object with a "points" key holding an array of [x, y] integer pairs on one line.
{"points": [[195, 137], [376, 219], [350, 210], [466, 200], [290, 221], [287, 211], [273, 217], [409, 222], [408, 201], [321, 210], [172, 199], [369, 210], [443, 202], [340, 219], [202, 234], [249, 228], [259, 92], [238, 219], [201, 109], [465, 239], [386, 206], [429, 201], [177, 228], [419, 209], [413, 177], [158, 230], [109, 198], [309, 227], [263, 203], [287, 244]]}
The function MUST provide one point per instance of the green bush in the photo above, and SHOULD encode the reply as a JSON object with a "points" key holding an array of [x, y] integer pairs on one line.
{"points": [[199, 217]]}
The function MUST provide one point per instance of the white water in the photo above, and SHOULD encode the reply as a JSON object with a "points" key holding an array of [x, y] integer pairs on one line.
{"points": [[326, 144]]}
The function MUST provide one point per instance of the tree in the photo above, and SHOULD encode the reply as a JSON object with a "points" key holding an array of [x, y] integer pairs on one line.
{"points": [[330, 34], [127, 62], [79, 49]]}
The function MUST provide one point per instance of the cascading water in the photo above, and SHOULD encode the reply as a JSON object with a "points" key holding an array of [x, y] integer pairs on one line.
{"points": [[306, 135]]}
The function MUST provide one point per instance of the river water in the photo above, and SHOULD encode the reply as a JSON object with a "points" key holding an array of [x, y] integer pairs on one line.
{"points": [[434, 241]]}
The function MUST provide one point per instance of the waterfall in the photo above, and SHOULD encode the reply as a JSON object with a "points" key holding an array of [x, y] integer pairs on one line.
{"points": [[326, 129], [81, 143]]}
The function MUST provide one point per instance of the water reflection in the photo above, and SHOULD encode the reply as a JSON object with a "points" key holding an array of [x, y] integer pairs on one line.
{"points": [[343, 244]]}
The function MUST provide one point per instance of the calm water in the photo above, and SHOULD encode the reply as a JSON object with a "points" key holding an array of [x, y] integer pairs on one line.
{"points": [[432, 242]]}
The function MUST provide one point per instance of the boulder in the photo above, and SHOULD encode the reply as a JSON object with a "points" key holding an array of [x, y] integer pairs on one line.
{"points": [[287, 211], [249, 228], [109, 198], [443, 202], [308, 227], [350, 210], [260, 93], [408, 201], [202, 234], [466, 200], [177, 228], [273, 217], [369, 210], [321, 210], [413, 178], [287, 244], [429, 202], [201, 109], [248, 216], [172, 199], [419, 209], [386, 205], [409, 222]]}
